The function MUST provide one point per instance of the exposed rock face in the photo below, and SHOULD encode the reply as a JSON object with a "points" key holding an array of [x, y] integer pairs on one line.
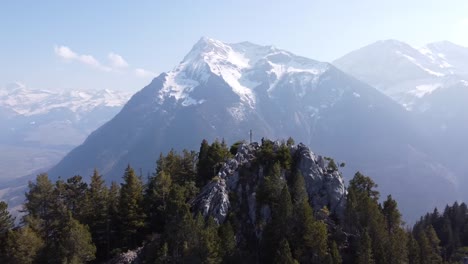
{"points": [[214, 200], [129, 257], [324, 187]]}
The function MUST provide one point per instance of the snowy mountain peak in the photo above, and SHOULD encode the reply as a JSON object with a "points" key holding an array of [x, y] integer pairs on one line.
{"points": [[239, 65], [27, 102]]}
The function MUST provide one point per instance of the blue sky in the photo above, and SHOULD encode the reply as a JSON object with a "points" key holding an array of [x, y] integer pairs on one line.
{"points": [[123, 44]]}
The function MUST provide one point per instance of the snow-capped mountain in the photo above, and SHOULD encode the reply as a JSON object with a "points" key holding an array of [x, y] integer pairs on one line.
{"points": [[29, 102], [431, 82], [222, 90], [39, 126], [406, 73]]}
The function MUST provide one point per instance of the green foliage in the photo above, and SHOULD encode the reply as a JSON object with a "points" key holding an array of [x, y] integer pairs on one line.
{"points": [[413, 249], [218, 153], [131, 213], [233, 149], [334, 254], [97, 215], [283, 254], [6, 220], [272, 185], [227, 241], [364, 254], [76, 245], [331, 165], [75, 196], [156, 195], [23, 245], [73, 222]]}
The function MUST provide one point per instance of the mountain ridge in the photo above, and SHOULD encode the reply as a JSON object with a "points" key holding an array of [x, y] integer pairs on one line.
{"points": [[207, 96]]}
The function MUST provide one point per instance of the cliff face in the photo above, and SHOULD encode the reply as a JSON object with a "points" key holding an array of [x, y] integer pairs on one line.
{"points": [[237, 183]]}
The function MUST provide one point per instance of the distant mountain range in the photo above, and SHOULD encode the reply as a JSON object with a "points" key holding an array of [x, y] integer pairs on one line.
{"points": [[222, 91], [408, 74], [38, 127], [432, 83]]}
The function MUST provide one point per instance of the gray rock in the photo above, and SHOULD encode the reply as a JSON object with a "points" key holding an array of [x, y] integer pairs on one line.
{"points": [[324, 187], [213, 200]]}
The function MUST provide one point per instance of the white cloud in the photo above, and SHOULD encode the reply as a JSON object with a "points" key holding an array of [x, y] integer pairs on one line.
{"points": [[68, 54], [65, 52], [144, 73], [117, 61]]}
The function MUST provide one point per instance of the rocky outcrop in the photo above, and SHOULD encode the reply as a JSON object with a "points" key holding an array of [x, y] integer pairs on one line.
{"points": [[325, 187], [213, 200], [129, 257]]}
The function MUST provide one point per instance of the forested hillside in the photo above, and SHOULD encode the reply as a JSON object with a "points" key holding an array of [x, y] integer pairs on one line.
{"points": [[274, 202]]}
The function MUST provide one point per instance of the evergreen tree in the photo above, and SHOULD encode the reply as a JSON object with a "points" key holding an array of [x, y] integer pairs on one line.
{"points": [[397, 245], [75, 196], [97, 214], [298, 191], [227, 241], [413, 250], [40, 199], [6, 224], [112, 226], [23, 246], [283, 254], [6, 220], [206, 244], [45, 212], [76, 245], [364, 254], [429, 246], [130, 210], [204, 170], [335, 257], [270, 190], [156, 195], [310, 236], [179, 230]]}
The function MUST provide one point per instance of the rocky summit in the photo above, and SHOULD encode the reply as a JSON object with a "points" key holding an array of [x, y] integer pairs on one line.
{"points": [[325, 187]]}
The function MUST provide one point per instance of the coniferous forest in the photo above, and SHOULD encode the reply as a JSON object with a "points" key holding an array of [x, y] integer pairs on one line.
{"points": [[76, 220]]}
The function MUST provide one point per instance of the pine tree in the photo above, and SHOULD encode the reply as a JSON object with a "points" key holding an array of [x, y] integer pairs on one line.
{"points": [[6, 219], [364, 254], [76, 245], [131, 213], [75, 196], [156, 195], [429, 246], [6, 224], [112, 226], [45, 210], [396, 248], [97, 213], [23, 246], [227, 241], [413, 249], [335, 257], [310, 236], [283, 254], [270, 190], [180, 228], [298, 190], [40, 199]]}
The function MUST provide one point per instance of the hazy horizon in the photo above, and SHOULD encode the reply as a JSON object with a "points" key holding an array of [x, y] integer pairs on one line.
{"points": [[114, 46]]}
